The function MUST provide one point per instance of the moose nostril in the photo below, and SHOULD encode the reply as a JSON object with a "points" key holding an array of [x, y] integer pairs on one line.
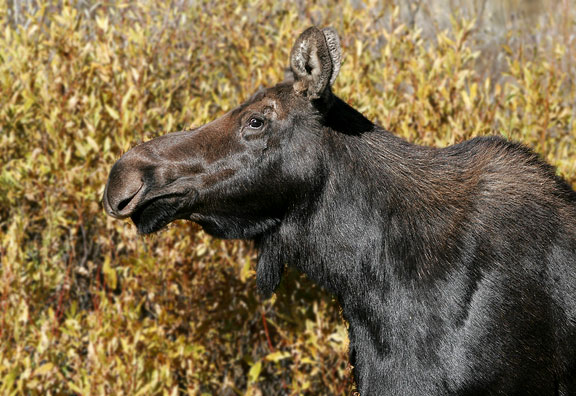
{"points": [[127, 198], [125, 187], [124, 203], [122, 194]]}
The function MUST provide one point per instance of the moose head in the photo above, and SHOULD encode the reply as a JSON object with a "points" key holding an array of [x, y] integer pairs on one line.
{"points": [[238, 175]]}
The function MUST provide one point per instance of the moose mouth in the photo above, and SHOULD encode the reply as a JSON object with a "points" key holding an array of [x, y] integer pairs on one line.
{"points": [[154, 214], [150, 207]]}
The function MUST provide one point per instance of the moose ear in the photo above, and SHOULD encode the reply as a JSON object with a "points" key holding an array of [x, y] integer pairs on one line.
{"points": [[315, 61]]}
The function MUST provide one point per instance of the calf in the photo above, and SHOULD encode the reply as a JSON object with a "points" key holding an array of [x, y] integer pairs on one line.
{"points": [[455, 267]]}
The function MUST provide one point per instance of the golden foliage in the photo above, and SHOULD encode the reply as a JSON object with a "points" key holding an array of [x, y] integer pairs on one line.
{"points": [[89, 307]]}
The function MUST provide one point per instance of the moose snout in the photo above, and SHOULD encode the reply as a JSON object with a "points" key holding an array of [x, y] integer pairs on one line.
{"points": [[123, 191]]}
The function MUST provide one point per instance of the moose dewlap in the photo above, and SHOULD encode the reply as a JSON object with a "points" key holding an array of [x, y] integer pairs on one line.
{"points": [[455, 267]]}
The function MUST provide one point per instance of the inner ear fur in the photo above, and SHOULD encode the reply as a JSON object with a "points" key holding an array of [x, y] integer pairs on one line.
{"points": [[315, 61]]}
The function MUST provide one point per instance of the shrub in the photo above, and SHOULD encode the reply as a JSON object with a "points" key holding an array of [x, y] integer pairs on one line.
{"points": [[88, 306]]}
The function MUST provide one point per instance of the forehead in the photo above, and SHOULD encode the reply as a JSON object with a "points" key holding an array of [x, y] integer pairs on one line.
{"points": [[278, 99]]}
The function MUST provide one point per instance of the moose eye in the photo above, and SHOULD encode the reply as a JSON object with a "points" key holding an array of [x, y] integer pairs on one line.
{"points": [[255, 123]]}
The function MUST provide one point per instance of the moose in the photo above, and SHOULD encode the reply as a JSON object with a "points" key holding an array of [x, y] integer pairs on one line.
{"points": [[455, 267]]}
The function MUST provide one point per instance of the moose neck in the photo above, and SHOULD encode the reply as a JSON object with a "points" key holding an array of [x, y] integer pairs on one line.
{"points": [[397, 203]]}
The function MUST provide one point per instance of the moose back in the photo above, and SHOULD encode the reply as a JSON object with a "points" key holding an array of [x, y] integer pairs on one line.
{"points": [[455, 267]]}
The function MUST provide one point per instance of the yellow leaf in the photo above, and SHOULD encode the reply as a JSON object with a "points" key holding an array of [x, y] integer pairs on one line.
{"points": [[8, 381], [113, 113], [109, 274], [246, 271], [255, 371], [44, 369], [23, 317], [102, 23], [76, 388], [277, 356], [127, 97], [92, 143]]}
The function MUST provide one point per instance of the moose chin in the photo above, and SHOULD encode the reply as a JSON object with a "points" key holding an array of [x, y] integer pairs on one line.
{"points": [[455, 267]]}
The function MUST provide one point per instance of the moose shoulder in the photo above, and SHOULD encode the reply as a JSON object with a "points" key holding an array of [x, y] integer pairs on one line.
{"points": [[455, 267]]}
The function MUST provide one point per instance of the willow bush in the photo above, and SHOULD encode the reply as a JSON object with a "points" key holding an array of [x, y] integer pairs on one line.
{"points": [[87, 306]]}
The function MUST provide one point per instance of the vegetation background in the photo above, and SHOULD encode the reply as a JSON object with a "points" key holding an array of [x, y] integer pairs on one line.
{"points": [[88, 307]]}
